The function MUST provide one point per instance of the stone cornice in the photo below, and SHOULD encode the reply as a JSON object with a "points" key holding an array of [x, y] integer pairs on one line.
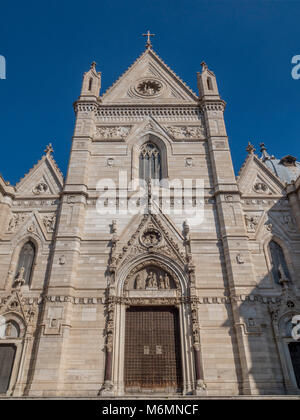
{"points": [[212, 105]]}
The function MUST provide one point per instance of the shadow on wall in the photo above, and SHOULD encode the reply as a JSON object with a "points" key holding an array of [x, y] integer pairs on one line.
{"points": [[268, 359]]}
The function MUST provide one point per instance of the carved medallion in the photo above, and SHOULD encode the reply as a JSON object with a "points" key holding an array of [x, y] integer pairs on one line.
{"points": [[40, 188], [150, 238], [261, 188], [149, 87]]}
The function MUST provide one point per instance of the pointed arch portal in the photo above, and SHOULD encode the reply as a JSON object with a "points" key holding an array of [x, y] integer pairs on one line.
{"points": [[152, 329]]}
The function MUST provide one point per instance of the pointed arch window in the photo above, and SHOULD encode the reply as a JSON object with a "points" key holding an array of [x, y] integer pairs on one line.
{"points": [[279, 265], [209, 83], [150, 163], [25, 263], [90, 83]]}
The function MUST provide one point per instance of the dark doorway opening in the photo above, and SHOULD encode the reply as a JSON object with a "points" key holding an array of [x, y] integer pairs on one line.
{"points": [[152, 350]]}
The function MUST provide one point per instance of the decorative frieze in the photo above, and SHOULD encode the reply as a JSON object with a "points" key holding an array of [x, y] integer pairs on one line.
{"points": [[112, 132], [135, 114], [186, 132]]}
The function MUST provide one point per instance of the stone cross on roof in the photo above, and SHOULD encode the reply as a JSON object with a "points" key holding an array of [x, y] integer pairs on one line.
{"points": [[49, 149], [148, 35]]}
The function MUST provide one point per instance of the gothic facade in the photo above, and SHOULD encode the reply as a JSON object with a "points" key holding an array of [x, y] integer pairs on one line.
{"points": [[104, 303]]}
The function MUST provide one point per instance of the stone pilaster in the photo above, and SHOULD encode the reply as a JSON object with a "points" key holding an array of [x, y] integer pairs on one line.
{"points": [[237, 255]]}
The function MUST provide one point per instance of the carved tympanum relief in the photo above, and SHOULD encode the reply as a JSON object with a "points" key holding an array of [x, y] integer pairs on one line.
{"points": [[151, 278]]}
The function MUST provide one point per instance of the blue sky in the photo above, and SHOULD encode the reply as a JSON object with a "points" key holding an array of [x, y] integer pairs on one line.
{"points": [[48, 45]]}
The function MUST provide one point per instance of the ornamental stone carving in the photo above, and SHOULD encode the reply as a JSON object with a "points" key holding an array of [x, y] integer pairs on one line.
{"points": [[186, 132], [49, 223], [112, 132], [151, 275], [261, 188], [150, 238], [251, 223], [288, 222], [149, 87], [152, 279], [15, 221], [40, 188]]}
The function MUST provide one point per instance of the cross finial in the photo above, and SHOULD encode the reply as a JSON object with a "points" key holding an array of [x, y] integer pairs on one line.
{"points": [[49, 149], [250, 148], [148, 35]]}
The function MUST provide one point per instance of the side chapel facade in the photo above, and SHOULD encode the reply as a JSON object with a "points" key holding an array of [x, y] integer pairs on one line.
{"points": [[104, 305]]}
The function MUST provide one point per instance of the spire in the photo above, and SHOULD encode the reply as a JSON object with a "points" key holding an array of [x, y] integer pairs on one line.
{"points": [[207, 83], [91, 83], [148, 35], [204, 66]]}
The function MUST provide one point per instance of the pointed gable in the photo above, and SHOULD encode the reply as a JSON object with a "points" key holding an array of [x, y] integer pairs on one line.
{"points": [[44, 178], [149, 81], [256, 179]]}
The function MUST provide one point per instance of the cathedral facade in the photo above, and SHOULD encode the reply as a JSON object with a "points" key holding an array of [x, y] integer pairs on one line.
{"points": [[100, 299]]}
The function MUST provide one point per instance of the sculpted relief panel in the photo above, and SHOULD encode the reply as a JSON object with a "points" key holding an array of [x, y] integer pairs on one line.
{"points": [[186, 132], [112, 132], [151, 278]]}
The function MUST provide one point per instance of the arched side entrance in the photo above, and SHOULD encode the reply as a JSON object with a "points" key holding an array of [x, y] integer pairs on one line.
{"points": [[12, 330], [152, 330]]}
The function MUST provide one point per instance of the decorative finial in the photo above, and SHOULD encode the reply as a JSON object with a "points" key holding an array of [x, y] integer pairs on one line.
{"points": [[148, 35], [265, 154], [93, 65], [204, 66], [262, 147], [250, 148], [49, 149]]}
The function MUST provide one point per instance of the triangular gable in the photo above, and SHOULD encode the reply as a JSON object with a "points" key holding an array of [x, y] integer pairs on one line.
{"points": [[132, 85], [30, 224], [170, 242], [256, 179], [44, 178]]}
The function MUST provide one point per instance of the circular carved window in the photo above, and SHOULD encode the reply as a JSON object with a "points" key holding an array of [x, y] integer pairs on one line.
{"points": [[149, 87]]}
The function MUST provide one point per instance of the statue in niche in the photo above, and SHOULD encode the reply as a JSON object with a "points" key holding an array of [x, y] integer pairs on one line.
{"points": [[161, 282], [8, 330], [138, 282], [20, 277], [152, 280], [167, 281]]}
